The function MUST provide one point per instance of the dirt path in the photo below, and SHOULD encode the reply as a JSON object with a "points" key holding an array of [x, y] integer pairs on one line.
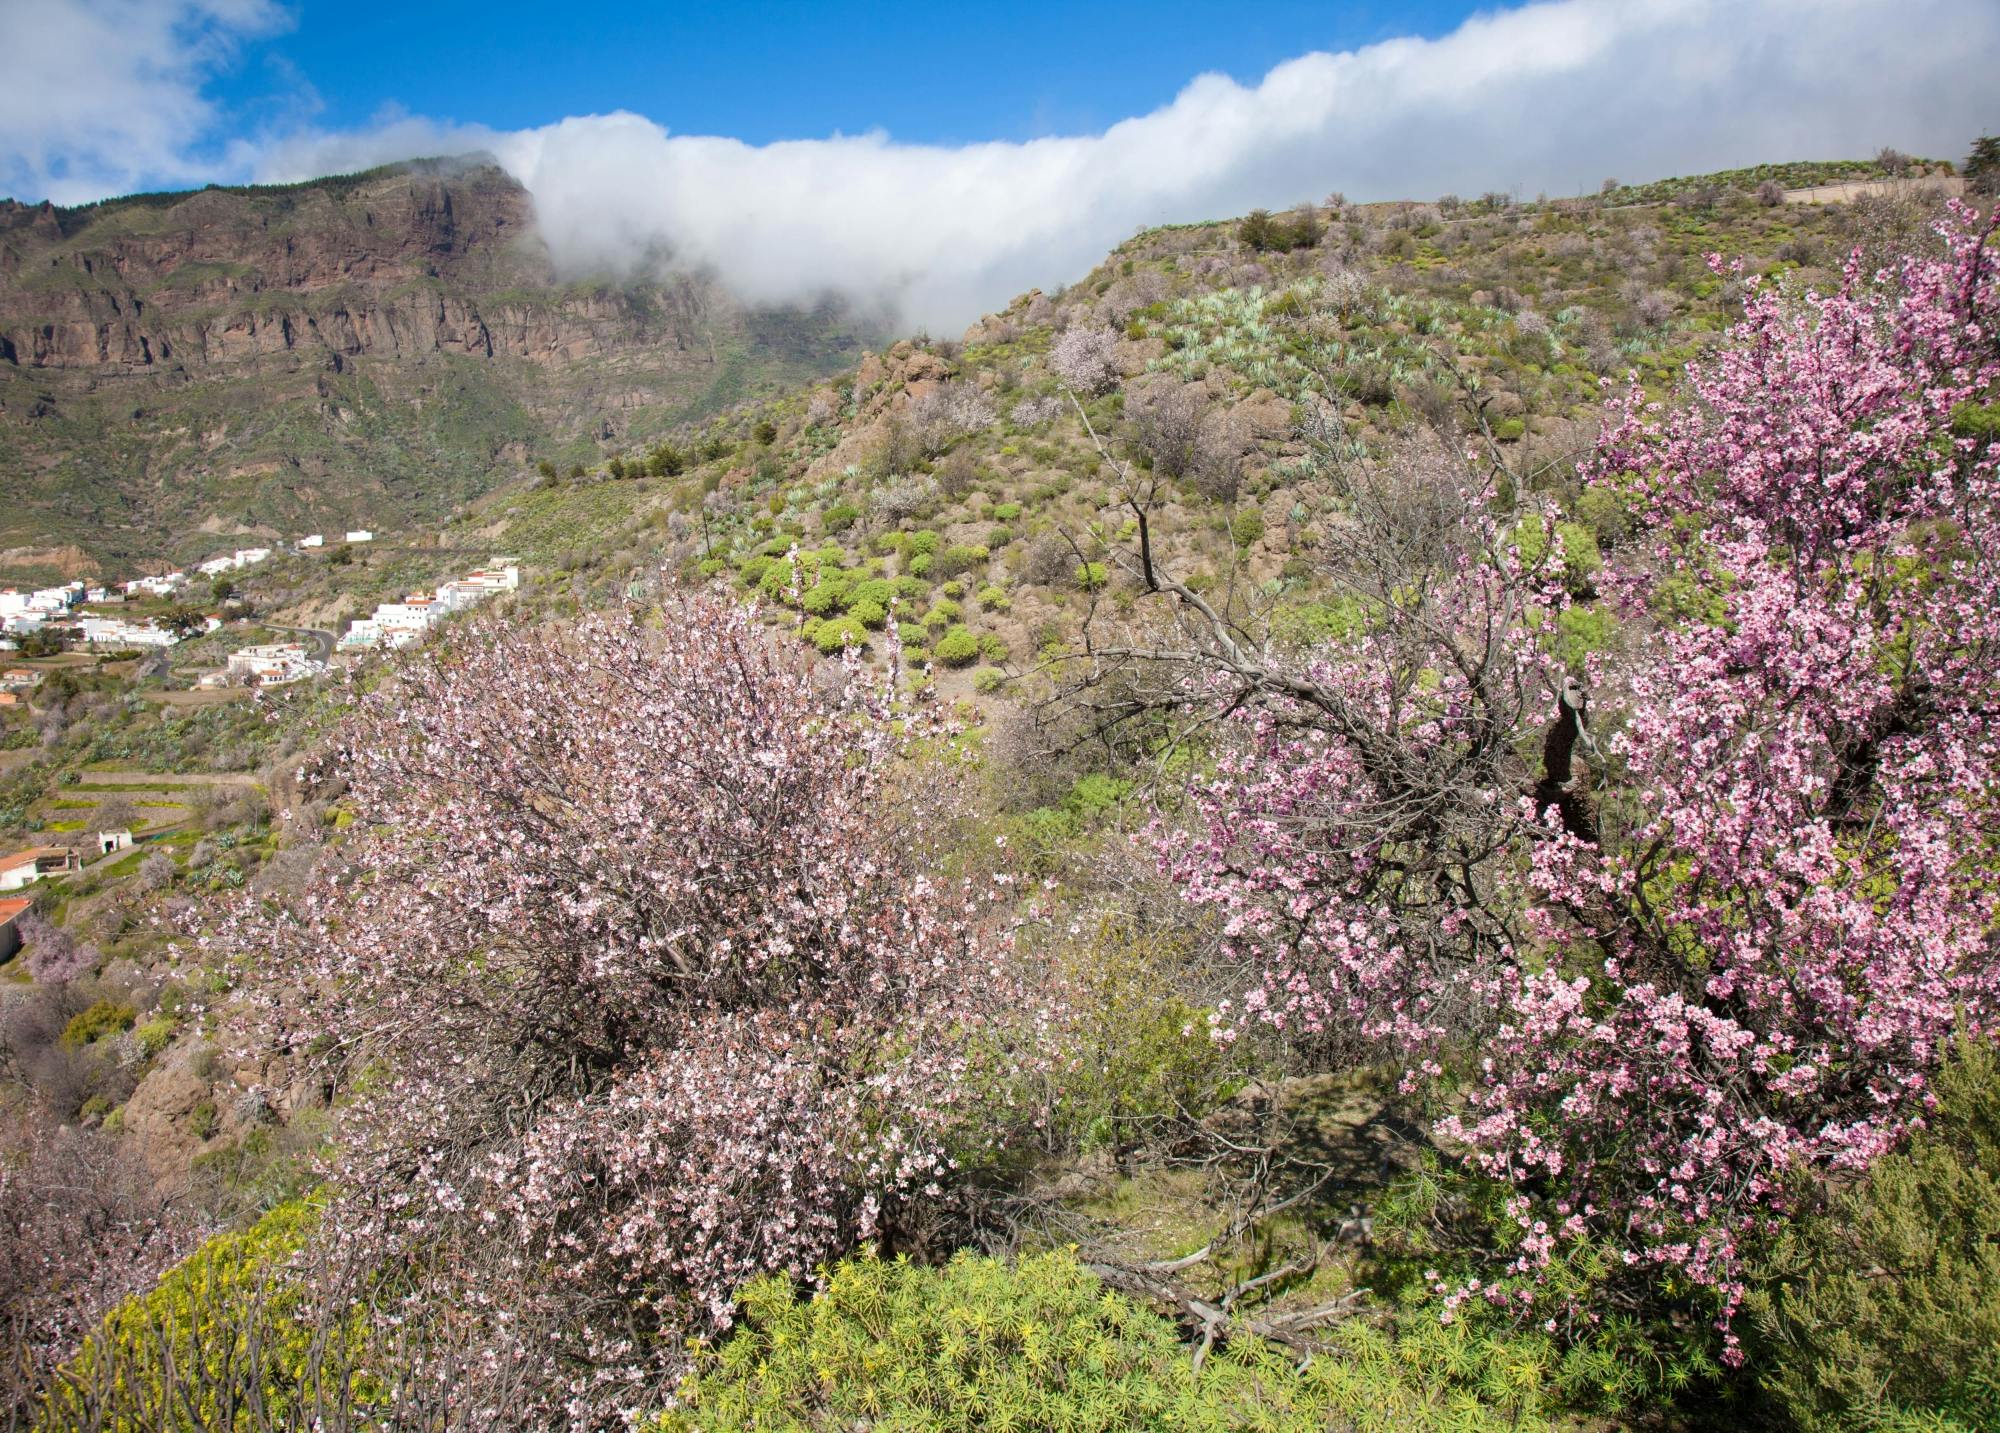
{"points": [[167, 778], [1851, 189]]}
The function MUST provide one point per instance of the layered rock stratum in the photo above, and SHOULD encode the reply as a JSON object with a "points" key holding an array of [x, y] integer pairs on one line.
{"points": [[368, 350]]}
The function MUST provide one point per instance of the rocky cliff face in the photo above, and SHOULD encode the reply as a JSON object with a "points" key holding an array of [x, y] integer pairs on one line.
{"points": [[367, 350]]}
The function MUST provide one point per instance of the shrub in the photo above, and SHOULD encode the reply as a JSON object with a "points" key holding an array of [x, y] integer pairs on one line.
{"points": [[999, 537], [988, 679], [943, 613], [823, 597], [868, 612], [920, 565], [204, 1119], [957, 647], [1006, 512], [1246, 527], [1886, 1307], [960, 557], [1090, 576], [1042, 1344], [837, 633], [1581, 557], [105, 1017], [993, 599], [924, 541], [155, 1035], [840, 517], [878, 590], [227, 1330]]}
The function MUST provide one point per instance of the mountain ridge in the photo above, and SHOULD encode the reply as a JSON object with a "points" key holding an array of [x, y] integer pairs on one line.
{"points": [[376, 348]]}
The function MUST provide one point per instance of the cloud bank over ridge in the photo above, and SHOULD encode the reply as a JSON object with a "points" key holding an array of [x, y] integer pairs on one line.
{"points": [[1548, 97]]}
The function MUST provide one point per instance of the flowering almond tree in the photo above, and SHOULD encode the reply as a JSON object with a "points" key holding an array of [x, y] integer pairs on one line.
{"points": [[1660, 1006], [646, 971]]}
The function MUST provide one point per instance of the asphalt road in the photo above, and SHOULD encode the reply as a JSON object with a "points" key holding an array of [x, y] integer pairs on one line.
{"points": [[322, 641]]}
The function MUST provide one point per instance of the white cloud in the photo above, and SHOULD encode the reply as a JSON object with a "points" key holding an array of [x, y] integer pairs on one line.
{"points": [[104, 96], [1546, 97]]}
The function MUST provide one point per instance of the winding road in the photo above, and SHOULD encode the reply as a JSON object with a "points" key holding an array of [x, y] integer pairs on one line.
{"points": [[322, 640]]}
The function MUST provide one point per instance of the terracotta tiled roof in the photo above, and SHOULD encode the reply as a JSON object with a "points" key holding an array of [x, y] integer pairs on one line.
{"points": [[33, 853], [12, 907]]}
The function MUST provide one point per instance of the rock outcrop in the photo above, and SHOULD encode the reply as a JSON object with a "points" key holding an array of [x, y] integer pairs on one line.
{"points": [[365, 350]]}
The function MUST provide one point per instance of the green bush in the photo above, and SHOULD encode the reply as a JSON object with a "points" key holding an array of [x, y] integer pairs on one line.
{"points": [[204, 1119], [1246, 527], [868, 612], [1041, 1344], [840, 517], [923, 542], [106, 1017], [824, 596], [920, 565], [836, 633], [155, 1035], [961, 557], [1884, 1311], [1976, 421], [993, 599], [1582, 559], [988, 679], [878, 590], [1006, 512], [225, 1332], [1090, 576], [1510, 430], [957, 647], [944, 612], [999, 537]]}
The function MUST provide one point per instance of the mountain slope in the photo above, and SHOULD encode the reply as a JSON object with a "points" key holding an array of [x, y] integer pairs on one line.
{"points": [[372, 349]]}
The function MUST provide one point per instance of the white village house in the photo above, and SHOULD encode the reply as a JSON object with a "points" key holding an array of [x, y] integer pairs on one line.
{"points": [[271, 664], [398, 624]]}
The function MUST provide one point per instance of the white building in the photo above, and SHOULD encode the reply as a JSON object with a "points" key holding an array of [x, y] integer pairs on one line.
{"points": [[231, 562], [162, 586], [109, 841], [397, 624], [23, 867], [117, 632], [361, 534], [316, 540], [365, 633], [271, 664]]}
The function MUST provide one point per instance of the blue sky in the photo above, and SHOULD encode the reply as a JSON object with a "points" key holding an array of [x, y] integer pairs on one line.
{"points": [[936, 162], [939, 74]]}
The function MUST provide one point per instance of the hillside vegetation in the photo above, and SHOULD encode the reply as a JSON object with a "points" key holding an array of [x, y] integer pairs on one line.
{"points": [[1373, 817]]}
